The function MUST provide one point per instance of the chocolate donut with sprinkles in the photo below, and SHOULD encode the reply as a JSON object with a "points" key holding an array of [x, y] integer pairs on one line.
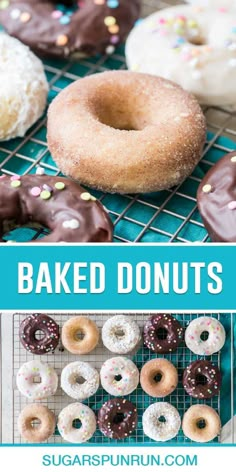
{"points": [[202, 379], [39, 323], [117, 418], [163, 333], [59, 204], [69, 28]]}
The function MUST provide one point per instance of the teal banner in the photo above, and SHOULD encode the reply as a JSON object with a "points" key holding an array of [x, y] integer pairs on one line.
{"points": [[122, 277]]}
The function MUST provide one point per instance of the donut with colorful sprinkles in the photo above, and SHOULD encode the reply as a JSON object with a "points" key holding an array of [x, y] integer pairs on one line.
{"points": [[163, 333], [59, 204], [202, 379], [69, 29], [193, 46], [39, 323], [205, 336], [117, 418], [36, 380], [71, 413]]}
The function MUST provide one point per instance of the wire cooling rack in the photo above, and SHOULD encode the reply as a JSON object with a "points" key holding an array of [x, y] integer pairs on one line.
{"points": [[60, 358], [168, 216]]}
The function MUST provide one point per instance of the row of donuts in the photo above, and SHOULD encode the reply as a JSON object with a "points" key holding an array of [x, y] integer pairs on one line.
{"points": [[119, 376], [118, 419], [162, 334]]}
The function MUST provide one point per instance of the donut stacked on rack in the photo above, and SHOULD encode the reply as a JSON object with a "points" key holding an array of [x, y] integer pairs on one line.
{"points": [[119, 377]]}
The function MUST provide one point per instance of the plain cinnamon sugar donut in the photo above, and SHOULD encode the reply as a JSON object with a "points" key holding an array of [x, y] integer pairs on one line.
{"points": [[158, 378], [122, 131], [43, 415], [80, 335], [201, 423]]}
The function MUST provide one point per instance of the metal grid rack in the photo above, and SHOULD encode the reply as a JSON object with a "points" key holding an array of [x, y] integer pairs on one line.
{"points": [[168, 216], [60, 358]]}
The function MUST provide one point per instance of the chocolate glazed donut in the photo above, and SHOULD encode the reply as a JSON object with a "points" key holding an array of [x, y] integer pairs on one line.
{"points": [[71, 213], [202, 379], [51, 29], [117, 419], [163, 333], [45, 324]]}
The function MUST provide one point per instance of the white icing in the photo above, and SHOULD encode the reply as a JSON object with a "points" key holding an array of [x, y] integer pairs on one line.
{"points": [[158, 430], [69, 377], [123, 367], [216, 336], [23, 90], [112, 339], [225, 4], [65, 423], [36, 370], [162, 45]]}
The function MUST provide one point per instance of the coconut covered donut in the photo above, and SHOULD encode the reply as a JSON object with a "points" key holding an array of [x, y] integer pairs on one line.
{"points": [[24, 88], [70, 28], [194, 47], [121, 131], [69, 380], [120, 334], [159, 430]]}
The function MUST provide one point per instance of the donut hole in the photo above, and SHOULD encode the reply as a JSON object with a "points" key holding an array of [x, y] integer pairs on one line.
{"points": [[28, 231], [37, 379], [80, 380], [204, 335], [197, 41], [39, 334], [201, 423], [119, 418], [79, 335], [76, 424], [35, 423], [118, 377], [162, 419], [157, 377], [120, 333], [161, 333], [201, 379]]}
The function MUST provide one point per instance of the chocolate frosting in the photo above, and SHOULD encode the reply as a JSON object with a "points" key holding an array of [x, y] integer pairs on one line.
{"points": [[39, 322], [51, 29], [117, 419], [71, 213], [202, 379], [163, 333], [216, 198]]}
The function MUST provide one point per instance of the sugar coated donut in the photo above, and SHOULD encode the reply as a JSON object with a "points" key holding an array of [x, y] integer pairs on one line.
{"points": [[64, 29], [119, 376], [59, 204], [72, 412], [43, 430], [202, 379], [201, 423], [194, 47], [23, 94], [80, 335], [216, 198], [36, 380], [49, 329], [70, 380], [120, 334], [117, 418], [158, 378], [161, 421], [120, 131], [163, 333], [205, 336]]}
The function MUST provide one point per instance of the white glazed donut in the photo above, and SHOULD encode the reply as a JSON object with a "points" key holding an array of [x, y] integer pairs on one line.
{"points": [[36, 380], [194, 47], [23, 90], [161, 430], [69, 380], [65, 423], [119, 376], [215, 340], [223, 5], [120, 334]]}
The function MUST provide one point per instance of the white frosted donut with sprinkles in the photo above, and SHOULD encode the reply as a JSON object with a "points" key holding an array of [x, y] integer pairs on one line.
{"points": [[161, 421], [119, 376], [72, 412], [120, 334], [194, 47], [205, 336], [36, 380], [70, 376], [222, 5]]}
